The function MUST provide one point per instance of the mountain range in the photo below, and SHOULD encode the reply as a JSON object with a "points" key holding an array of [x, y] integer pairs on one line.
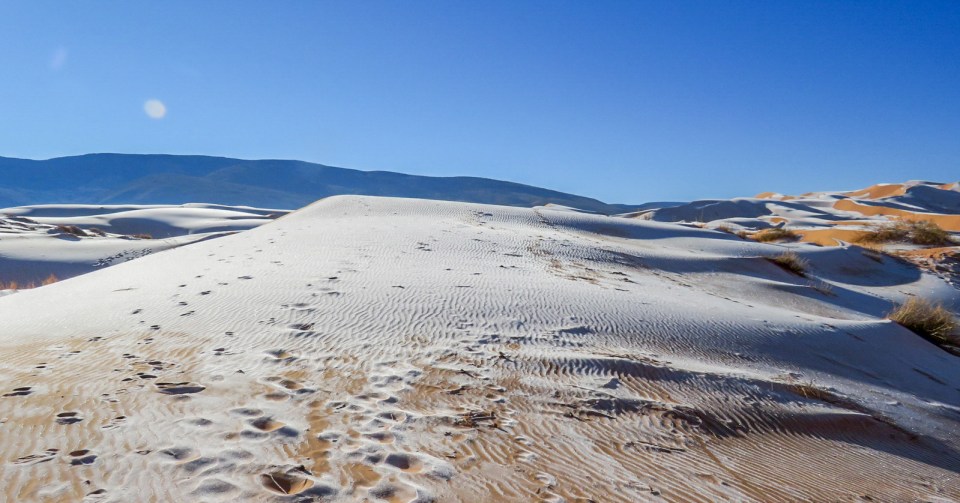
{"points": [[179, 179]]}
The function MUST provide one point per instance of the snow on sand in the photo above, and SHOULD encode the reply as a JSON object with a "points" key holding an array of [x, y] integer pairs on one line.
{"points": [[409, 350], [48, 242]]}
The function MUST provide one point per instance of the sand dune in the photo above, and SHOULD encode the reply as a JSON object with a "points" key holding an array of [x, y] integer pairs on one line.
{"points": [[376, 349], [71, 239], [948, 222], [826, 218]]}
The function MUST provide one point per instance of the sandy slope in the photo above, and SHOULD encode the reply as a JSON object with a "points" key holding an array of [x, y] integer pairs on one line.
{"points": [[404, 350]]}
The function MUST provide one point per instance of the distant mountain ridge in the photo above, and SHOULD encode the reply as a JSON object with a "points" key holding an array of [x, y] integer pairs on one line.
{"points": [[179, 179]]}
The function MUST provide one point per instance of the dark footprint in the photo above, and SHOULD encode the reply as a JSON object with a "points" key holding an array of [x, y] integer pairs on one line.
{"points": [[83, 457], [179, 388], [68, 418], [403, 461], [266, 424], [179, 453], [292, 481], [246, 411]]}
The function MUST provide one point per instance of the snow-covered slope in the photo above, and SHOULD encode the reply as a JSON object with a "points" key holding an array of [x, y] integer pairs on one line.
{"points": [[62, 241], [826, 218], [375, 349]]}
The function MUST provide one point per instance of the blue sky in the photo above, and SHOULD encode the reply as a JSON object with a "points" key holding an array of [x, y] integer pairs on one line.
{"points": [[622, 101]]}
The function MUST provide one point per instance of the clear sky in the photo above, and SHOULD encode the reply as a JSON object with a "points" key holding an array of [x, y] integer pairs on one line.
{"points": [[623, 101]]}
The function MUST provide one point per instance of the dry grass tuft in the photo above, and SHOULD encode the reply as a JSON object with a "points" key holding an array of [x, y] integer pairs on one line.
{"points": [[71, 229], [16, 285], [776, 234], [792, 262], [921, 232], [822, 287], [927, 319], [872, 252], [742, 234]]}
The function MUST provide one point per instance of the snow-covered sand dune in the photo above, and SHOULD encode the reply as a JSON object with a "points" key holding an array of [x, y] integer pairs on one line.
{"points": [[826, 218], [405, 350], [37, 241]]}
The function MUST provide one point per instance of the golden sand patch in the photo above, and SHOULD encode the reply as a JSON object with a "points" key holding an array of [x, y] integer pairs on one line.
{"points": [[880, 191], [947, 222]]}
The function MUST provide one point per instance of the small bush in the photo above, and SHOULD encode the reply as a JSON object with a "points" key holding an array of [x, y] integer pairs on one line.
{"points": [[776, 234], [792, 262], [16, 285], [873, 254], [142, 236], [921, 232], [929, 320], [822, 287], [71, 229], [925, 232]]}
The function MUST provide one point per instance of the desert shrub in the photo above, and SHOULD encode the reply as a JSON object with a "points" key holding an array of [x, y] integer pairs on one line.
{"points": [[776, 234], [742, 234], [142, 236], [792, 262], [16, 285], [921, 232], [822, 287], [71, 229], [925, 232], [927, 319], [873, 253]]}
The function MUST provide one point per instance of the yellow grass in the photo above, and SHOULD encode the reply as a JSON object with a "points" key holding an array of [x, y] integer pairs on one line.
{"points": [[927, 319], [16, 285]]}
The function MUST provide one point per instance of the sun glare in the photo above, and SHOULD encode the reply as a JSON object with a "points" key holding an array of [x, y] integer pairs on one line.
{"points": [[155, 109]]}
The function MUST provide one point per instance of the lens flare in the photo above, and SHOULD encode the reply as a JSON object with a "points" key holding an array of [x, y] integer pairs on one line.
{"points": [[155, 109]]}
